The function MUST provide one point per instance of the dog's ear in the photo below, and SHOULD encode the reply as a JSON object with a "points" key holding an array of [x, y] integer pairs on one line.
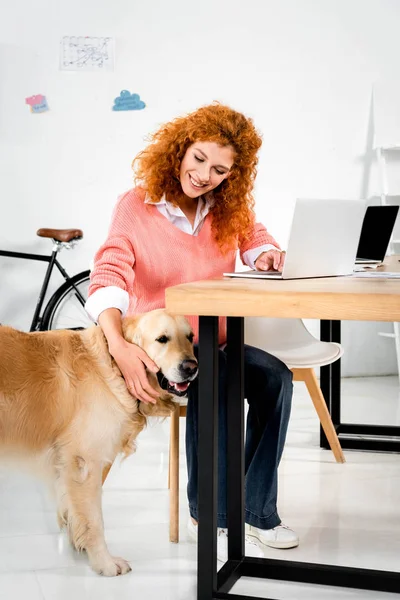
{"points": [[131, 329]]}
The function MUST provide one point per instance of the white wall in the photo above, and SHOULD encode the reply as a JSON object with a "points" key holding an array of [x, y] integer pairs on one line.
{"points": [[304, 69]]}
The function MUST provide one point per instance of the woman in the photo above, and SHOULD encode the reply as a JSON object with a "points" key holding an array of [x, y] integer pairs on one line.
{"points": [[185, 221]]}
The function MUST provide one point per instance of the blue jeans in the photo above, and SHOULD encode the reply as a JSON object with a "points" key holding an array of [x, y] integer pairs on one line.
{"points": [[268, 390]]}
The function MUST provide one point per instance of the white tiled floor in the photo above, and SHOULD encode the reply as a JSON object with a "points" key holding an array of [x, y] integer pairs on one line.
{"points": [[345, 514]]}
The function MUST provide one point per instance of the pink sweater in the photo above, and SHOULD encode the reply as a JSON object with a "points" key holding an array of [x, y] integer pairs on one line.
{"points": [[144, 254]]}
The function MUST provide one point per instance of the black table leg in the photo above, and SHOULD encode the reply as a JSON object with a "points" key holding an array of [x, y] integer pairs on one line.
{"points": [[330, 376], [354, 436], [235, 438], [207, 457], [213, 585]]}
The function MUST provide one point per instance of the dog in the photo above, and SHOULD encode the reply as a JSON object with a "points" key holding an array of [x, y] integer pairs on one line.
{"points": [[63, 397]]}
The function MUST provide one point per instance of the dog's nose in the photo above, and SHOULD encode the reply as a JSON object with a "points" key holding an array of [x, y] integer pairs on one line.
{"points": [[189, 367]]}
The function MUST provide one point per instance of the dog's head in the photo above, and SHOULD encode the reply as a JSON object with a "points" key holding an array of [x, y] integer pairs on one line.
{"points": [[168, 340]]}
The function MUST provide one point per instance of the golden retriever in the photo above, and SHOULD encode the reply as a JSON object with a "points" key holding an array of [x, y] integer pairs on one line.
{"points": [[63, 396]]}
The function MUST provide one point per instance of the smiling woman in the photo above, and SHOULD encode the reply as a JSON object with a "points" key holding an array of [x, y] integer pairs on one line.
{"points": [[191, 211], [209, 154]]}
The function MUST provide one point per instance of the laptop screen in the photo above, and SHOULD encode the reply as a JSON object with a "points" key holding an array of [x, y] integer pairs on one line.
{"points": [[376, 231]]}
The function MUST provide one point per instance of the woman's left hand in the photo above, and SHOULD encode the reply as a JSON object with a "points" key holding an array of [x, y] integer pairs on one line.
{"points": [[272, 260]]}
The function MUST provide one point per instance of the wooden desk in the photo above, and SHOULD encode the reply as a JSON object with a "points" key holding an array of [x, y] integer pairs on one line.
{"points": [[331, 299]]}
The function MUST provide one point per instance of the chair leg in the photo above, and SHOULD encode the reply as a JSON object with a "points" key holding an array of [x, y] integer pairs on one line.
{"points": [[169, 458], [310, 379], [173, 477]]}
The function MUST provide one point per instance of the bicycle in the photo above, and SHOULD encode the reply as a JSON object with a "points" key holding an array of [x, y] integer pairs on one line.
{"points": [[65, 308]]}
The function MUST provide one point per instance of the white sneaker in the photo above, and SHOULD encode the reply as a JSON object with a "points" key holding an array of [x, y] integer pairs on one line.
{"points": [[280, 536], [250, 545]]}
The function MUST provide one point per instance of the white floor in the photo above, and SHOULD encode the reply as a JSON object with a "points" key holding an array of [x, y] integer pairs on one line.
{"points": [[345, 514]]}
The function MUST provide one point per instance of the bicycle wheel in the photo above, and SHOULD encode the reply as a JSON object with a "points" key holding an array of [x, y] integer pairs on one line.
{"points": [[65, 309]]}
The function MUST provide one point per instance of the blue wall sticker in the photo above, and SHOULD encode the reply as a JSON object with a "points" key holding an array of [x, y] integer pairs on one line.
{"points": [[128, 101]]}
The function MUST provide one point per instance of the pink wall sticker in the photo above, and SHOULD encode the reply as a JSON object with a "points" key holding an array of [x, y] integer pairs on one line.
{"points": [[38, 103]]}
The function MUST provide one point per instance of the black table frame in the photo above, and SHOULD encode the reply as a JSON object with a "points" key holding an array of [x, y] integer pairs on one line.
{"points": [[355, 436], [212, 584]]}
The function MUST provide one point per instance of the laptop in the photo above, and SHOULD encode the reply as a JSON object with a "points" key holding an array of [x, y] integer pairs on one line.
{"points": [[375, 235], [322, 243]]}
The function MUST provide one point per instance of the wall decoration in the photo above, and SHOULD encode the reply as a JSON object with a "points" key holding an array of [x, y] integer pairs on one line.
{"points": [[86, 53], [37, 103], [128, 101]]}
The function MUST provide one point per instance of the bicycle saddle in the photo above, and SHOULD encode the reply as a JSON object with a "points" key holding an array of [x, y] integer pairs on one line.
{"points": [[61, 235]]}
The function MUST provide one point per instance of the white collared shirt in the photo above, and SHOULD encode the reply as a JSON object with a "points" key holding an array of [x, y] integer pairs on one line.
{"points": [[178, 218]]}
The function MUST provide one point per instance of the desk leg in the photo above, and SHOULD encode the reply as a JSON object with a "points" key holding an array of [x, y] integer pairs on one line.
{"points": [[208, 458], [355, 436], [331, 377], [211, 585], [235, 438]]}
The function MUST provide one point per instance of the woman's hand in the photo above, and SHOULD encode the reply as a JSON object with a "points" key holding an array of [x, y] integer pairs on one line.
{"points": [[132, 362], [272, 260]]}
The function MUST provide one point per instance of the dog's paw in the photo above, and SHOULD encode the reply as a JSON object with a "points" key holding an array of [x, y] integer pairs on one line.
{"points": [[112, 567]]}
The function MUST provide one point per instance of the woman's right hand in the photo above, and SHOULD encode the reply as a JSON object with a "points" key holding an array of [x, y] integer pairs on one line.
{"points": [[132, 362]]}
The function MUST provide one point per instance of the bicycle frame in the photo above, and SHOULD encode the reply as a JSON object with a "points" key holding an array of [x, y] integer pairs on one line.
{"points": [[52, 260]]}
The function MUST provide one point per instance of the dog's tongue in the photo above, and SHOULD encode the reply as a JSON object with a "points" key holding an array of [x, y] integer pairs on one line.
{"points": [[181, 387]]}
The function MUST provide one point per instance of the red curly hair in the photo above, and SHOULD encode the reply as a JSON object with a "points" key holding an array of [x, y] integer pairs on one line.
{"points": [[158, 166]]}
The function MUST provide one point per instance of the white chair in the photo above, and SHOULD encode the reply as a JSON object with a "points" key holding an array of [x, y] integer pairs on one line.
{"points": [[291, 342]]}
